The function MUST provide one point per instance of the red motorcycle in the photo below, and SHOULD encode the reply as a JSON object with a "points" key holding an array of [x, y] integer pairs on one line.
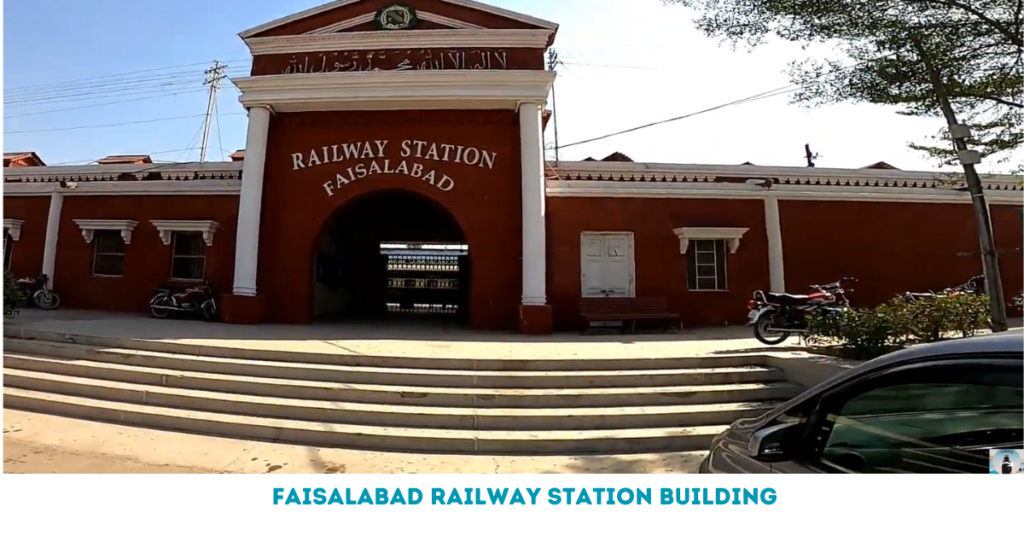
{"points": [[193, 301], [775, 317]]}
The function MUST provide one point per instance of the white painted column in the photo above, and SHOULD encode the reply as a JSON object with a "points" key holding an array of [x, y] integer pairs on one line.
{"points": [[52, 231], [773, 225], [250, 201], [534, 239]]}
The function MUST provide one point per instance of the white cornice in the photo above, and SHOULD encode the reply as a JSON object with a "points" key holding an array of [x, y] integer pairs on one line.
{"points": [[13, 228], [455, 38], [89, 228], [395, 90], [340, 3], [711, 190], [368, 17], [732, 235], [666, 172], [185, 170], [199, 187], [167, 228], [447, 21]]}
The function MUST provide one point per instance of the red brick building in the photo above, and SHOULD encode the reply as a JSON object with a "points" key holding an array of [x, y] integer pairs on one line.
{"points": [[374, 126]]}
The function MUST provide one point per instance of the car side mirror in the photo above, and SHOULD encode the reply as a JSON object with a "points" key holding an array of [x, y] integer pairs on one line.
{"points": [[767, 444]]}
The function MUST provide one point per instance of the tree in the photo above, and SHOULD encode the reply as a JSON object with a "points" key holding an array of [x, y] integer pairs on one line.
{"points": [[958, 60]]}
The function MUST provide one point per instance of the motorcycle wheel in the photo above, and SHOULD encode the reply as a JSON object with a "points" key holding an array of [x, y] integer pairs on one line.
{"points": [[160, 313], [761, 332], [46, 300], [209, 312]]}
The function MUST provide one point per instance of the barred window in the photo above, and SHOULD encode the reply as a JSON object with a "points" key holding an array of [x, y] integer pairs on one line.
{"points": [[108, 254], [188, 257], [706, 265]]}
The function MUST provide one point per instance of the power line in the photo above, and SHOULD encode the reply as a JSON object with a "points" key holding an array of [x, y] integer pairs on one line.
{"points": [[114, 75], [759, 96], [83, 127], [97, 159], [106, 103]]}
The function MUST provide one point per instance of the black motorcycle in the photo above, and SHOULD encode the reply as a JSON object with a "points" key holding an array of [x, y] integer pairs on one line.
{"points": [[973, 286], [35, 291], [193, 301], [775, 317]]}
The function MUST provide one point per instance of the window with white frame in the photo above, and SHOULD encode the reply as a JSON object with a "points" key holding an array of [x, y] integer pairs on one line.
{"points": [[108, 253], [706, 265], [8, 244], [188, 256]]}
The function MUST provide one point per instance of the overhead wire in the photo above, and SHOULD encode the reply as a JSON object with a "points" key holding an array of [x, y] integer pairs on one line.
{"points": [[66, 82], [108, 125]]}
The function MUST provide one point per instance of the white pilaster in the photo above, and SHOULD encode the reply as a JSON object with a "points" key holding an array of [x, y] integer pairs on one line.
{"points": [[534, 240], [52, 230], [250, 201], [773, 225]]}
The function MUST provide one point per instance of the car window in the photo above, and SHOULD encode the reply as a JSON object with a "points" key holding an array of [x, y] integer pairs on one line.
{"points": [[927, 421]]}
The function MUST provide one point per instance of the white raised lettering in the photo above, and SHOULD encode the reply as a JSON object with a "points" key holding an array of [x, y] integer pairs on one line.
{"points": [[387, 167], [417, 170], [447, 149], [406, 149], [472, 156], [374, 168], [297, 161], [361, 170], [419, 148], [337, 157], [367, 151], [488, 159], [446, 184], [402, 168], [341, 180], [326, 158], [432, 153], [352, 150], [329, 187], [313, 158], [380, 147], [458, 154], [429, 177]]}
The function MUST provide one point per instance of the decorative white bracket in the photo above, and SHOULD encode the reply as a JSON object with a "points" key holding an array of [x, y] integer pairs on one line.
{"points": [[168, 227], [731, 235], [89, 228], [13, 228]]}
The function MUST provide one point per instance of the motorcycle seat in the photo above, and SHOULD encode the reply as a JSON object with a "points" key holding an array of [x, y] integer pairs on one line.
{"points": [[786, 299]]}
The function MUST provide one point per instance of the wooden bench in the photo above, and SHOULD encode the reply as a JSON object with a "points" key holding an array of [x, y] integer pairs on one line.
{"points": [[628, 311]]}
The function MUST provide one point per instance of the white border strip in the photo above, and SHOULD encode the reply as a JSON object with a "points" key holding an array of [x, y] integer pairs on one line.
{"points": [[125, 188], [341, 3], [451, 38], [338, 26]]}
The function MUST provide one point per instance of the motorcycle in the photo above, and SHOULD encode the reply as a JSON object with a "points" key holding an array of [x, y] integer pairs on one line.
{"points": [[975, 286], [193, 301], [775, 317], [35, 291]]}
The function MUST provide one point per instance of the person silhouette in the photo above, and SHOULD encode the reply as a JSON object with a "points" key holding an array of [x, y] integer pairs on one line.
{"points": [[1007, 466]]}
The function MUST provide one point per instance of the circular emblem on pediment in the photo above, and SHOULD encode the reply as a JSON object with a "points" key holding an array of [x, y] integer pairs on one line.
{"points": [[396, 17]]}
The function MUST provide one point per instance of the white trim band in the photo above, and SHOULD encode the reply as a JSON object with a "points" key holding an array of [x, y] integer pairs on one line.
{"points": [[89, 228], [731, 235], [13, 228], [168, 227], [454, 38], [200, 187], [396, 90]]}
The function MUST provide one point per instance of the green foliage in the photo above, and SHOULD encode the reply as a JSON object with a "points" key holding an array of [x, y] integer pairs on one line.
{"points": [[869, 333], [911, 54], [11, 295]]}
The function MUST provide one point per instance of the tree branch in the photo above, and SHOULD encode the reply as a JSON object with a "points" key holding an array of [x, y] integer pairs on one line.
{"points": [[998, 26]]}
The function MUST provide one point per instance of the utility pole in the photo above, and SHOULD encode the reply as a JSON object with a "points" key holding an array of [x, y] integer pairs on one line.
{"points": [[968, 159], [553, 63], [214, 75], [811, 157]]}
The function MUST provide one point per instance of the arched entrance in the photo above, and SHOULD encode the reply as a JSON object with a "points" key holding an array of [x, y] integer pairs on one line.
{"points": [[391, 254]]}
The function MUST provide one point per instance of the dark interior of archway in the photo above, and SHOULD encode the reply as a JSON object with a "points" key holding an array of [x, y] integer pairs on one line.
{"points": [[392, 255]]}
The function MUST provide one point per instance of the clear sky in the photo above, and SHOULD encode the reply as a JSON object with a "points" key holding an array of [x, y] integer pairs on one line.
{"points": [[628, 62]]}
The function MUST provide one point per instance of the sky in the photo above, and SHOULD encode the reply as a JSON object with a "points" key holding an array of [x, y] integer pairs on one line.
{"points": [[627, 63]]}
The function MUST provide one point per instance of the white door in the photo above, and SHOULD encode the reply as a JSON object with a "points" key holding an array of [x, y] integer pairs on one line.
{"points": [[606, 261]]}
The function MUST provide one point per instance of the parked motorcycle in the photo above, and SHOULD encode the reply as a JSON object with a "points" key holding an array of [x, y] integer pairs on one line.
{"points": [[193, 301], [34, 291], [974, 285], [775, 317]]}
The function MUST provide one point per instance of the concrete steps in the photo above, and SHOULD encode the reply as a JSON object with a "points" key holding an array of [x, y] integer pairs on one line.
{"points": [[440, 405]]}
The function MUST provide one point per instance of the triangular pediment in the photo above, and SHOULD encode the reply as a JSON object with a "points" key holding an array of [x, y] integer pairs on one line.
{"points": [[342, 16]]}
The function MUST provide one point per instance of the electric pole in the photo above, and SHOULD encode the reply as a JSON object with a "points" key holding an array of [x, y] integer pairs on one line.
{"points": [[553, 63], [214, 75], [811, 157]]}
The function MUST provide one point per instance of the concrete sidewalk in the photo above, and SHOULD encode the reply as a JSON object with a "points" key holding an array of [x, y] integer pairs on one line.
{"points": [[385, 339]]}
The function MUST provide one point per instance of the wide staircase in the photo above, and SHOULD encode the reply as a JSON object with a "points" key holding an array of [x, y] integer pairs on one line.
{"points": [[532, 406]]}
